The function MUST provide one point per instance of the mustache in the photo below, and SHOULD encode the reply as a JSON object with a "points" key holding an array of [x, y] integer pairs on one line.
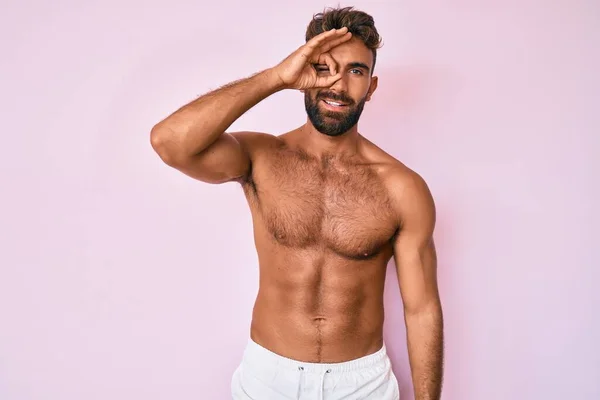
{"points": [[335, 96]]}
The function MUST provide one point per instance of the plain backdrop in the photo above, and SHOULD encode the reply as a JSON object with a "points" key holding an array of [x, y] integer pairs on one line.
{"points": [[121, 278]]}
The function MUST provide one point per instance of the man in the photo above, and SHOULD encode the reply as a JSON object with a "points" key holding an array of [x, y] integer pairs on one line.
{"points": [[329, 209]]}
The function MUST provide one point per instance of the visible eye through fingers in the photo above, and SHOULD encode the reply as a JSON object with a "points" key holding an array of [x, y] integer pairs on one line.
{"points": [[331, 64], [321, 67]]}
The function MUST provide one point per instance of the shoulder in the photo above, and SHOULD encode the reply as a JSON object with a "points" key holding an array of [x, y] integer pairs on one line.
{"points": [[254, 139], [254, 142], [409, 193], [405, 184]]}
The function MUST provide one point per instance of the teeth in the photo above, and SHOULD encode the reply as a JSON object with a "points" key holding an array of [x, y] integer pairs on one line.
{"points": [[333, 103]]}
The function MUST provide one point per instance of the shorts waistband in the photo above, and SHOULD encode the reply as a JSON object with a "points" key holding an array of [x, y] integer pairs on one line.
{"points": [[257, 354]]}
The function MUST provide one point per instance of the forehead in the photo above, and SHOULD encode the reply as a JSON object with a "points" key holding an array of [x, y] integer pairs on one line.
{"points": [[354, 50]]}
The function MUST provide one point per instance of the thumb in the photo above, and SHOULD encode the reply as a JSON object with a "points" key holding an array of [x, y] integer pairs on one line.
{"points": [[326, 81]]}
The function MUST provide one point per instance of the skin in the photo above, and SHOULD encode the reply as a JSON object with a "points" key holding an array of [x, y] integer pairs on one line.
{"points": [[329, 212]]}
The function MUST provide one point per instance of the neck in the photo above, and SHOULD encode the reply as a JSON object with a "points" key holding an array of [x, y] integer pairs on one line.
{"points": [[321, 145]]}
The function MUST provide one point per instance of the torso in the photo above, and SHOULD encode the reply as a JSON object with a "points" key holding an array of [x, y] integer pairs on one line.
{"points": [[323, 230]]}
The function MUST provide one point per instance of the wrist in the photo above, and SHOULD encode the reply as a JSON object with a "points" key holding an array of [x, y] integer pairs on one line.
{"points": [[272, 80]]}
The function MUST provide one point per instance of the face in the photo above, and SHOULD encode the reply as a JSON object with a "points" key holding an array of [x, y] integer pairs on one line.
{"points": [[335, 110]]}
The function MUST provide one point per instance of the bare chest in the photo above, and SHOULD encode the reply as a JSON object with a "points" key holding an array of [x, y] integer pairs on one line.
{"points": [[302, 202]]}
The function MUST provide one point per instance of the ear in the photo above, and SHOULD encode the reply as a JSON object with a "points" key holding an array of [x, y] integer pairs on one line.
{"points": [[372, 87]]}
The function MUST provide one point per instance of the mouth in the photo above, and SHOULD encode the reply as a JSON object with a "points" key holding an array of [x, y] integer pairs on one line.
{"points": [[334, 105]]}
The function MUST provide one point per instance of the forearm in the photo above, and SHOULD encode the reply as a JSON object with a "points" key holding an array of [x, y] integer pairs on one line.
{"points": [[197, 125], [426, 351]]}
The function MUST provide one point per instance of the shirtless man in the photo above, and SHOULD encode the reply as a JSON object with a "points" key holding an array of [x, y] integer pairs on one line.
{"points": [[329, 210]]}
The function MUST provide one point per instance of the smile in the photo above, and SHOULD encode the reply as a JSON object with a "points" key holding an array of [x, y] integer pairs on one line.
{"points": [[334, 104]]}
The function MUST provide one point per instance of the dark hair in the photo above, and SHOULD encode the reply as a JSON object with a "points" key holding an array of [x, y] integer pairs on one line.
{"points": [[359, 23]]}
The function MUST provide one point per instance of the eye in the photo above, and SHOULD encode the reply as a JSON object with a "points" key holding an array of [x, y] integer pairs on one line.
{"points": [[356, 71]]}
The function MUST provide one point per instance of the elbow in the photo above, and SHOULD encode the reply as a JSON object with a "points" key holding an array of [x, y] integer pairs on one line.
{"points": [[431, 309], [164, 144]]}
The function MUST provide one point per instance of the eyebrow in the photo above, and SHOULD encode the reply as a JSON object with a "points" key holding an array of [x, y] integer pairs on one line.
{"points": [[357, 64]]}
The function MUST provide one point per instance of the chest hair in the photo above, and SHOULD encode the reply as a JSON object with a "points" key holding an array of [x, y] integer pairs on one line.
{"points": [[305, 202]]}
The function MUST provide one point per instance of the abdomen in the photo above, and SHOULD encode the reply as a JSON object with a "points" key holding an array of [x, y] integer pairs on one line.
{"points": [[318, 308]]}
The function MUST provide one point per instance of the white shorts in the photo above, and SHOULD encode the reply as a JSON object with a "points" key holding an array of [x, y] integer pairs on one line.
{"points": [[264, 375]]}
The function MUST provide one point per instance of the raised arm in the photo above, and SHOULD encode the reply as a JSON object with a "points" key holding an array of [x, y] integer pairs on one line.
{"points": [[193, 138], [416, 265]]}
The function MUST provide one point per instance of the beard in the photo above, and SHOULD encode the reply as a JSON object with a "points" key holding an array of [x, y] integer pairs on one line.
{"points": [[333, 123]]}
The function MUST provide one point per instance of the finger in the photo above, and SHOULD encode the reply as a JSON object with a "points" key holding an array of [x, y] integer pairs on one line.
{"points": [[318, 40], [327, 81], [326, 58], [330, 44]]}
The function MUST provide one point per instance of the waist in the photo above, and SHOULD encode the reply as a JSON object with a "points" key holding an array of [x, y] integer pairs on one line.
{"points": [[302, 337], [258, 356], [318, 325]]}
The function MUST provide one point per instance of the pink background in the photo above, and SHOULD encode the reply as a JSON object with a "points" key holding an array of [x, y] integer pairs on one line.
{"points": [[123, 279]]}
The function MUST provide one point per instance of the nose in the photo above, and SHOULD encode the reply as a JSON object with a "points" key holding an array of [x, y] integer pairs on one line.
{"points": [[340, 85]]}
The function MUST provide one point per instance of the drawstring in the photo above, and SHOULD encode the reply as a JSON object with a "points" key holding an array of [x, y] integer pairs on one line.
{"points": [[300, 368], [323, 384]]}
